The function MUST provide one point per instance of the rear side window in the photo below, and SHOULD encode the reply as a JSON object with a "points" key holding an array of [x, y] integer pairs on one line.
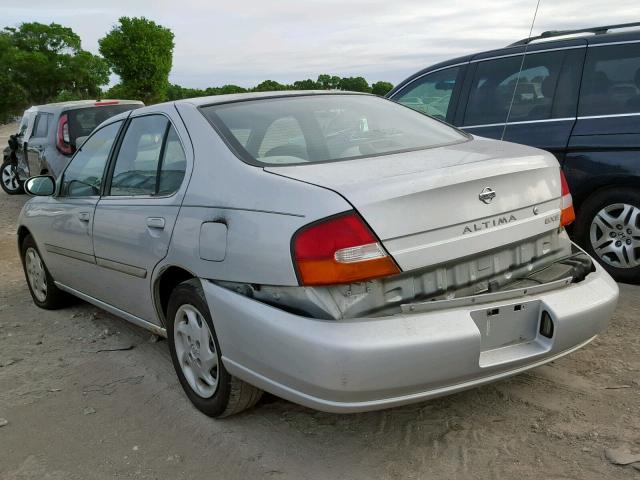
{"points": [[150, 161], [494, 86], [83, 121], [41, 125], [432, 93], [611, 81]]}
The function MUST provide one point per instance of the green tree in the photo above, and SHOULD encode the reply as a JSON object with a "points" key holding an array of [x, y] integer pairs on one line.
{"points": [[45, 60], [140, 52], [12, 96], [269, 86], [307, 84], [381, 88], [328, 82], [354, 84]]}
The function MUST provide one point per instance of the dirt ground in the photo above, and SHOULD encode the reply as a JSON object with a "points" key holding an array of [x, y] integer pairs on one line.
{"points": [[88, 396]]}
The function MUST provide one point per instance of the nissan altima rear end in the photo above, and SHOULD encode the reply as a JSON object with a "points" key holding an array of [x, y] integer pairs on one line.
{"points": [[348, 253]]}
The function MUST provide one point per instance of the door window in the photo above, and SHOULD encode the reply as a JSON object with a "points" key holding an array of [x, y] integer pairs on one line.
{"points": [[611, 81], [83, 177], [432, 93], [494, 87], [151, 160]]}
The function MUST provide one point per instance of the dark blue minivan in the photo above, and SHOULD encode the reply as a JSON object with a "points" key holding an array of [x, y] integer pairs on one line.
{"points": [[573, 93]]}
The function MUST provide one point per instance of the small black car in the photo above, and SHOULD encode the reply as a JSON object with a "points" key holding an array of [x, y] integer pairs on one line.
{"points": [[574, 93]]}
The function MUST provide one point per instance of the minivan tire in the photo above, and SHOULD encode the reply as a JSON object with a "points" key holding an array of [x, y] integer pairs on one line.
{"points": [[585, 217], [231, 394], [53, 297], [6, 174]]}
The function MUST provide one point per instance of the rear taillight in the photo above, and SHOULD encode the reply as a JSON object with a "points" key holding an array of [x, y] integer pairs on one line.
{"points": [[63, 139], [567, 215], [339, 249]]}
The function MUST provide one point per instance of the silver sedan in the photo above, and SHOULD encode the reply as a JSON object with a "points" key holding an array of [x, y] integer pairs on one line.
{"points": [[339, 250]]}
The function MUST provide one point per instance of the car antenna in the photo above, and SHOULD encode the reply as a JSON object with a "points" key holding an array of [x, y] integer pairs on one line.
{"points": [[515, 89]]}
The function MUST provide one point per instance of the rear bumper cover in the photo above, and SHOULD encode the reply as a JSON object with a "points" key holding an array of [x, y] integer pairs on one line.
{"points": [[366, 364]]}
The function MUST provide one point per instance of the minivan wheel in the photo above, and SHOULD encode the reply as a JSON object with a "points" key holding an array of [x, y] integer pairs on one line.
{"points": [[608, 227], [10, 180], [196, 356], [43, 290]]}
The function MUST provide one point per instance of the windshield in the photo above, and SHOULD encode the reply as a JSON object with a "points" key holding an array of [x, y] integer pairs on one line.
{"points": [[322, 128]]}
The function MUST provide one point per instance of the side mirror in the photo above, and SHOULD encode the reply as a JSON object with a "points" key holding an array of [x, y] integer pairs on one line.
{"points": [[42, 186]]}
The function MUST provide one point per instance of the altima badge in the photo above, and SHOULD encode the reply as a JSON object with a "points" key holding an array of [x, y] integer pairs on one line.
{"points": [[487, 195]]}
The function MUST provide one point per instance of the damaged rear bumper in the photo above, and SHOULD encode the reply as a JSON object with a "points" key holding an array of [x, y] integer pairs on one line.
{"points": [[373, 363]]}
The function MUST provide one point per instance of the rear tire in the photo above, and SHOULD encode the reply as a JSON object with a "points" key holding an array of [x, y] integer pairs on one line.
{"points": [[9, 179], [193, 344], [43, 290], [608, 228]]}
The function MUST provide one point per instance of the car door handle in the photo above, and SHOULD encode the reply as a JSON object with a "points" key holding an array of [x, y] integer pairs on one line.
{"points": [[155, 222], [84, 216]]}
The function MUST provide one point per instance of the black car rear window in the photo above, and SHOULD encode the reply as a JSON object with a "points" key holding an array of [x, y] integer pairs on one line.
{"points": [[82, 121]]}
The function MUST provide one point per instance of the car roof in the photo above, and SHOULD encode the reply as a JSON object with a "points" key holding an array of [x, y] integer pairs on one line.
{"points": [[548, 43], [234, 97], [62, 106]]}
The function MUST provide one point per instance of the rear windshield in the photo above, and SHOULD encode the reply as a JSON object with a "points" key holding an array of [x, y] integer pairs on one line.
{"points": [[83, 120], [323, 128]]}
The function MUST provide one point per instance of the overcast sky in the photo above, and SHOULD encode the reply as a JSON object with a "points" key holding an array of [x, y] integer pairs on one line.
{"points": [[247, 41]]}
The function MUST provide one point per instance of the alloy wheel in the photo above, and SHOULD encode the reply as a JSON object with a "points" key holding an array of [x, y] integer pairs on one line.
{"points": [[615, 235], [196, 351], [10, 177], [36, 274]]}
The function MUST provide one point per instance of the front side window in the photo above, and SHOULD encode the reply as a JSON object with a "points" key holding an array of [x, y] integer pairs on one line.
{"points": [[150, 161], [322, 128], [431, 94], [83, 177], [611, 81], [494, 87]]}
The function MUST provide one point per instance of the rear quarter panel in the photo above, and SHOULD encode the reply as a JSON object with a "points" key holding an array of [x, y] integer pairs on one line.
{"points": [[261, 212]]}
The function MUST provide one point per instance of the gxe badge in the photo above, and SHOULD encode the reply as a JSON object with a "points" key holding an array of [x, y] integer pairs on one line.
{"points": [[487, 195]]}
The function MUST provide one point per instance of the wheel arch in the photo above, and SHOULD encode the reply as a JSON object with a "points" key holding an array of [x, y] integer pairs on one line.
{"points": [[23, 232], [167, 280]]}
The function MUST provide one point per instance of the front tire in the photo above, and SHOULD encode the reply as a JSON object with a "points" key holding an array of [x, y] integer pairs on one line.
{"points": [[196, 356], [10, 180], [43, 290], [608, 227]]}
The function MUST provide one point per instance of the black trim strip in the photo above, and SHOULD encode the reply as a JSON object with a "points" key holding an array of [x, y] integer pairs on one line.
{"points": [[122, 267], [85, 257]]}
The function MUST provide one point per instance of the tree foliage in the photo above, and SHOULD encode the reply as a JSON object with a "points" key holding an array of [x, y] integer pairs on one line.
{"points": [[140, 52], [40, 61], [324, 82], [381, 88]]}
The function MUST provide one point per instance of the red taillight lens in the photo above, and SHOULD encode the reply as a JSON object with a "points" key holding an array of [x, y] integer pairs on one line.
{"points": [[63, 139], [567, 214], [339, 249]]}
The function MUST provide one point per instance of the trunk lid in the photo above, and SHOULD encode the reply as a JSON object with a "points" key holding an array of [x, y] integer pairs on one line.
{"points": [[425, 205]]}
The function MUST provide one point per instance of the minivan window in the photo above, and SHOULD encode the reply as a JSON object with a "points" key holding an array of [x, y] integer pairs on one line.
{"points": [[83, 121], [41, 125], [495, 81], [327, 127], [83, 176], [431, 94], [611, 81]]}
